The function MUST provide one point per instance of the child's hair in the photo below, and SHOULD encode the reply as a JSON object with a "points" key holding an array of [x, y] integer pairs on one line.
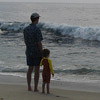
{"points": [[46, 52]]}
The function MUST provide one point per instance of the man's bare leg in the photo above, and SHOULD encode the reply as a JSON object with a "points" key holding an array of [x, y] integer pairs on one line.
{"points": [[36, 77], [29, 74]]}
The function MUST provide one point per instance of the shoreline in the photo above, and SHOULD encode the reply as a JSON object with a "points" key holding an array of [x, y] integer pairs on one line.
{"points": [[65, 85], [15, 88]]}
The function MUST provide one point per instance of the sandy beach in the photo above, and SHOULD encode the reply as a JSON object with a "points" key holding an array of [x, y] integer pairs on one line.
{"points": [[15, 88], [71, 31]]}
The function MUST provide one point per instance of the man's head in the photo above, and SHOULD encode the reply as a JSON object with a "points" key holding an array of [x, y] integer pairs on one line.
{"points": [[34, 17]]}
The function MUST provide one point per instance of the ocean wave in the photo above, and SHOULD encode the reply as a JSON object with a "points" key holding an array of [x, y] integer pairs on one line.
{"points": [[23, 70], [87, 33], [12, 26], [81, 71]]}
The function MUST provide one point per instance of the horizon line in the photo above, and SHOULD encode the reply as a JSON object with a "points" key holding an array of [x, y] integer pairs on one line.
{"points": [[49, 2]]}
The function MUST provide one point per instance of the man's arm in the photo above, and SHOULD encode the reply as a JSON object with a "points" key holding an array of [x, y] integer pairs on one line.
{"points": [[40, 47]]}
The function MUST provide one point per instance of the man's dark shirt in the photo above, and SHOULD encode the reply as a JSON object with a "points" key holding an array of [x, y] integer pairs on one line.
{"points": [[32, 35]]}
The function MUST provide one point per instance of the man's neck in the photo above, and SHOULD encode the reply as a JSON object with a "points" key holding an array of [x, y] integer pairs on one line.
{"points": [[33, 23]]}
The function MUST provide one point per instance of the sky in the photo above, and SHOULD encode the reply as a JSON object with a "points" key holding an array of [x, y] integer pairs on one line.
{"points": [[67, 1]]}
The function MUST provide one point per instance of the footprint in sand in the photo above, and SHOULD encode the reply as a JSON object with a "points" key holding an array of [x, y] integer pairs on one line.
{"points": [[1, 99]]}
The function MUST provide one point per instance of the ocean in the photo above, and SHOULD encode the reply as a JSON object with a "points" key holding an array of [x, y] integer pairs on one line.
{"points": [[70, 31]]}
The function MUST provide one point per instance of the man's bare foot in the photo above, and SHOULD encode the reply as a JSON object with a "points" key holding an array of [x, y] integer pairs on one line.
{"points": [[36, 90], [48, 92], [30, 89], [43, 92]]}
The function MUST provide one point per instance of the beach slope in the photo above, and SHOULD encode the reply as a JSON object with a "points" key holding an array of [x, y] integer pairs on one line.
{"points": [[18, 91]]}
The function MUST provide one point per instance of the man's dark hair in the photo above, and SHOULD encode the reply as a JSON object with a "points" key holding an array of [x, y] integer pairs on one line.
{"points": [[33, 19], [46, 52]]}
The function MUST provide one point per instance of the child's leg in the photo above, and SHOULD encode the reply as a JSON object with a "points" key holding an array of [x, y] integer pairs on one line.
{"points": [[43, 88], [48, 92]]}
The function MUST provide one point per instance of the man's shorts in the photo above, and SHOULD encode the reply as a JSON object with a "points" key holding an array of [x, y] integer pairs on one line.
{"points": [[31, 61]]}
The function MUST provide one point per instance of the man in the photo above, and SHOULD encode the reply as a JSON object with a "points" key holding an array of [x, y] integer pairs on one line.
{"points": [[33, 38]]}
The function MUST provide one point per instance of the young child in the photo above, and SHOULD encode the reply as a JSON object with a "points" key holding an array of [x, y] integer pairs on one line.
{"points": [[47, 70]]}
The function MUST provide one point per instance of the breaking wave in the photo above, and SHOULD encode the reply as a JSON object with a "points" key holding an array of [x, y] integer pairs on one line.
{"points": [[87, 33]]}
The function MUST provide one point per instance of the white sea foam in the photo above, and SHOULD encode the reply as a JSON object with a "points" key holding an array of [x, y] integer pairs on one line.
{"points": [[1, 62], [88, 33]]}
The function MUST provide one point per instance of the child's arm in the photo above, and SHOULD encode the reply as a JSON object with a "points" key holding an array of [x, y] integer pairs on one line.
{"points": [[41, 62], [51, 67]]}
